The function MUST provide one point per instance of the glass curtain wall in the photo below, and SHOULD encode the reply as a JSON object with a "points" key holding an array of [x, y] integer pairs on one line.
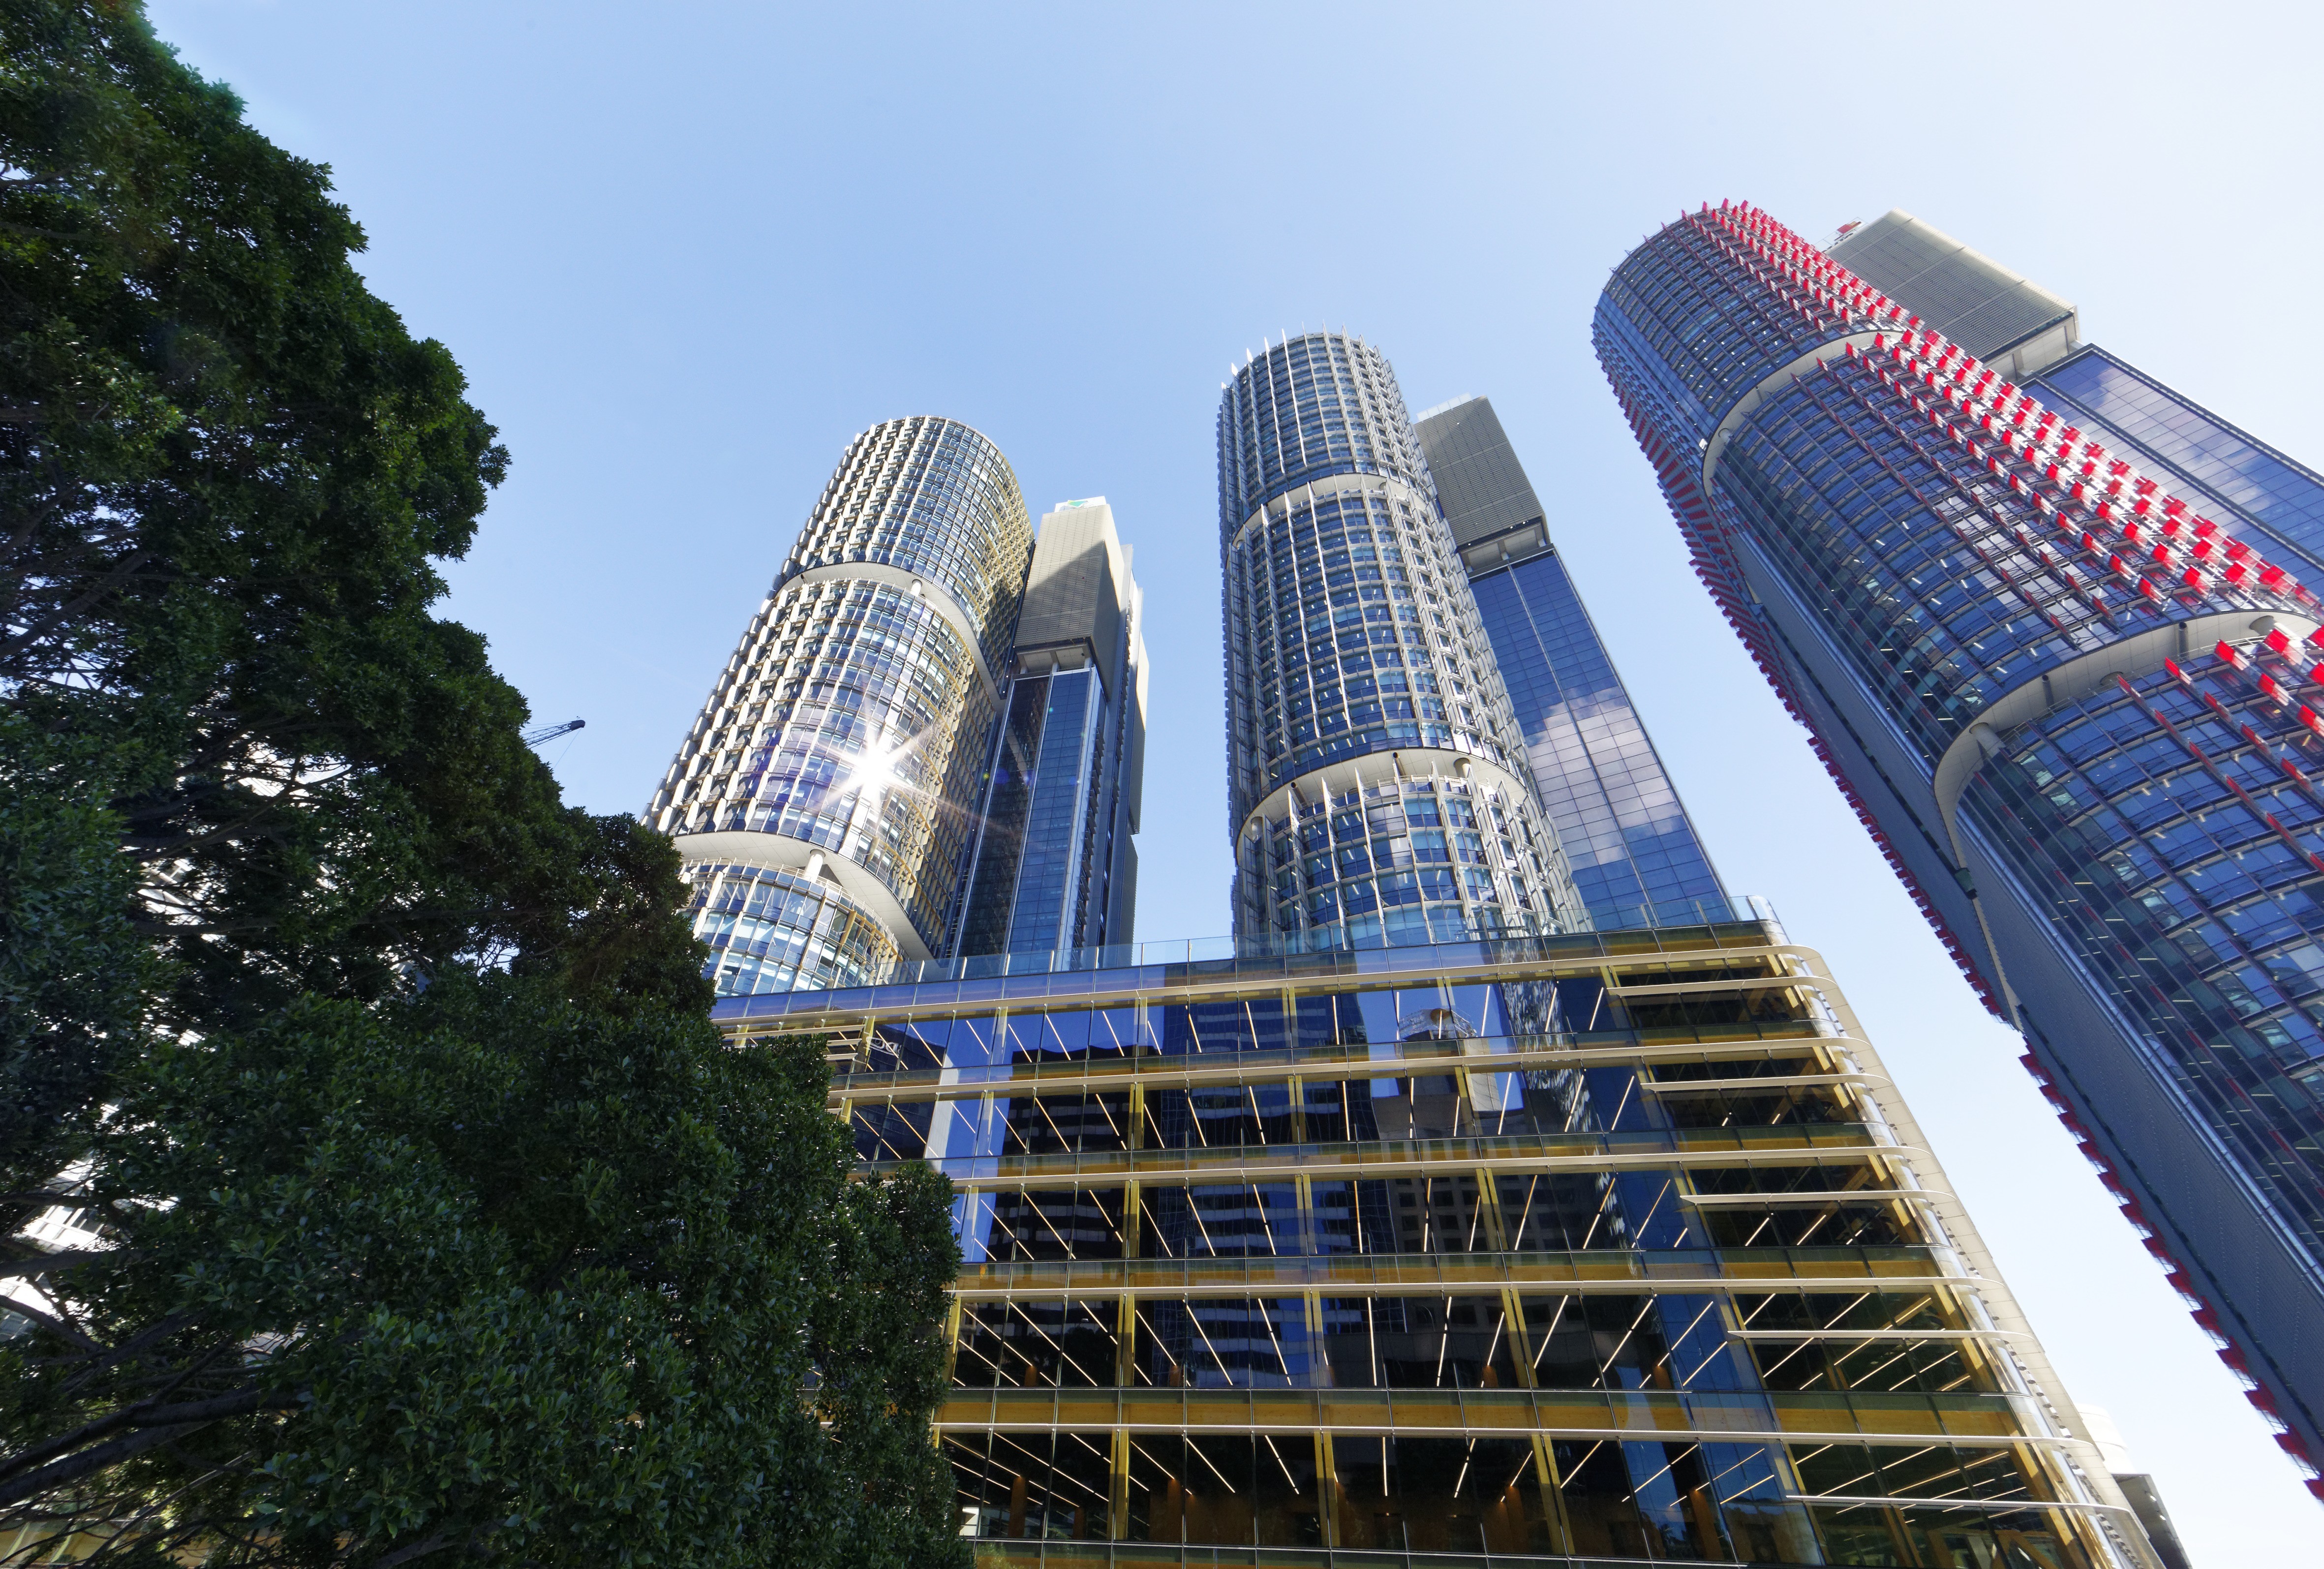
{"points": [[1030, 890], [2048, 681], [1377, 786], [1633, 850], [1052, 863], [2235, 475], [1596, 1245], [1634, 853], [840, 752]]}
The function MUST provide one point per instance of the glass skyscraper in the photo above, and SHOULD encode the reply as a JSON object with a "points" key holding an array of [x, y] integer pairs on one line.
{"points": [[2043, 617], [929, 739], [1634, 855], [1053, 865], [1377, 783], [1648, 1264], [2256, 492]]}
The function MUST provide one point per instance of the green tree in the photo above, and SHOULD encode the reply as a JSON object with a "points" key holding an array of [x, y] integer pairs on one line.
{"points": [[487, 1271], [440, 1219], [226, 472], [74, 971]]}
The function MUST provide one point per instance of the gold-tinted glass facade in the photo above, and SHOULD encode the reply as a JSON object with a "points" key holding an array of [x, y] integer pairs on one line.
{"points": [[1611, 1246]]}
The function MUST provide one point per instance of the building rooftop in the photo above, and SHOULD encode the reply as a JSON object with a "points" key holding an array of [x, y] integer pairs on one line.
{"points": [[1480, 483], [1971, 299], [1130, 967]]}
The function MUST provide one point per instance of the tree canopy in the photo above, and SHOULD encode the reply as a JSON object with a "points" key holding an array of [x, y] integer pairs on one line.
{"points": [[437, 1218], [489, 1272]]}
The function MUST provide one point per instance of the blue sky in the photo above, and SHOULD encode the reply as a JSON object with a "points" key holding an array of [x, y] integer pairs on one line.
{"points": [[686, 251]]}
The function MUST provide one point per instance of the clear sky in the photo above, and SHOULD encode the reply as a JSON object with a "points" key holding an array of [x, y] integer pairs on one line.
{"points": [[686, 251]]}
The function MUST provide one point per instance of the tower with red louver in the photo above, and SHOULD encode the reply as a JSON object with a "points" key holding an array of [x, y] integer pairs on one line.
{"points": [[2075, 699]]}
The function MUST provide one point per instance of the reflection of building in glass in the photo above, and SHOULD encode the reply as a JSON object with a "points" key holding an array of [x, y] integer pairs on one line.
{"points": [[1052, 865], [1632, 852], [1594, 1244], [1377, 783], [2029, 602]]}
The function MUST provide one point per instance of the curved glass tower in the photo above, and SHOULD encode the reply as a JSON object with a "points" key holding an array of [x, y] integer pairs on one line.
{"points": [[2081, 712], [824, 797], [1378, 784]]}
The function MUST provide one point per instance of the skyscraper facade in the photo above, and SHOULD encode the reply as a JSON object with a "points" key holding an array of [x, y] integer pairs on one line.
{"points": [[1052, 865], [2036, 611], [1379, 789], [1633, 851], [825, 798], [2270, 496], [1648, 1264], [2263, 495]]}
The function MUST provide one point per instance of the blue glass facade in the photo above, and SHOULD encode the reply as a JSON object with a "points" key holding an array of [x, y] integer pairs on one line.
{"points": [[2144, 782], [1066, 773], [2075, 708], [770, 930], [2242, 478], [1627, 839], [1377, 783], [1031, 891], [1520, 1251], [1635, 856], [1052, 865]]}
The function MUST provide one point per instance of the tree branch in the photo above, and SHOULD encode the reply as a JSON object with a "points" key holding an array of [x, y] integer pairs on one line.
{"points": [[48, 1263], [55, 1326], [158, 1424], [152, 1334], [419, 1549]]}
